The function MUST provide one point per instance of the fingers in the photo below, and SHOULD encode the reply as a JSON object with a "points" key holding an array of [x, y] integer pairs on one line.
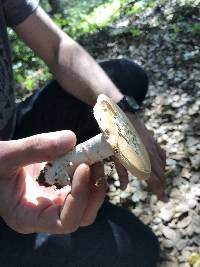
{"points": [[122, 173], [156, 187], [67, 219], [157, 177], [157, 158], [37, 148], [97, 194], [162, 154], [81, 205], [157, 167], [76, 202], [79, 208]]}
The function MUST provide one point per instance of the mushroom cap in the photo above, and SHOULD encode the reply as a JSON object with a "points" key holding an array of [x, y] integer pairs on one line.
{"points": [[121, 135]]}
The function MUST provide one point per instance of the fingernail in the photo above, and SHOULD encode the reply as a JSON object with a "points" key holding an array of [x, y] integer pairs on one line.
{"points": [[66, 139]]}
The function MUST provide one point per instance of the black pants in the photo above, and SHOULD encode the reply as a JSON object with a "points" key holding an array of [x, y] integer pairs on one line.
{"points": [[117, 238]]}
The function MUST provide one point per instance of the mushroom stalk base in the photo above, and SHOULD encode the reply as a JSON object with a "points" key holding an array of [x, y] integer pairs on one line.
{"points": [[60, 172]]}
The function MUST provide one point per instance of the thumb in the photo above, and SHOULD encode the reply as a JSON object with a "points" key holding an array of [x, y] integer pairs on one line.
{"points": [[37, 148]]}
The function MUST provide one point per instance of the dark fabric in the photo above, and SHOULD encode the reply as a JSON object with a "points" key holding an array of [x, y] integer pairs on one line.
{"points": [[12, 12], [7, 99], [17, 11], [52, 109], [117, 238]]}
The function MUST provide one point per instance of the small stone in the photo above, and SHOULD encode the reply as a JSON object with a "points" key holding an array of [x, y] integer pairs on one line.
{"points": [[124, 195], [146, 218], [169, 233], [184, 223], [143, 195], [168, 243], [157, 220], [136, 196], [182, 208], [117, 183], [182, 243], [190, 230], [195, 160], [171, 162], [166, 214], [185, 173], [192, 203]]}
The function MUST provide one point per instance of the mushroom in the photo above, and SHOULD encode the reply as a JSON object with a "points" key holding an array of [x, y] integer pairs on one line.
{"points": [[118, 138]]}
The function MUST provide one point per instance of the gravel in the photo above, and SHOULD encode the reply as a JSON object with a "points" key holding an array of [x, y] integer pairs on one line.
{"points": [[172, 113]]}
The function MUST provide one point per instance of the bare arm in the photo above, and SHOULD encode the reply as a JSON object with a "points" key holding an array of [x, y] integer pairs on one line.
{"points": [[82, 77], [71, 65]]}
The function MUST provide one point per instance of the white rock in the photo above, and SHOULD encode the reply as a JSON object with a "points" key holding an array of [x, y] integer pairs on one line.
{"points": [[167, 212], [192, 203], [124, 194], [117, 183], [182, 243], [190, 230], [169, 233], [157, 220], [182, 208], [146, 218], [184, 223], [136, 196], [168, 243]]}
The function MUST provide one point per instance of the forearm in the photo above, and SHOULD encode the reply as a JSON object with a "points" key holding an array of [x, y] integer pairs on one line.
{"points": [[80, 75], [73, 67]]}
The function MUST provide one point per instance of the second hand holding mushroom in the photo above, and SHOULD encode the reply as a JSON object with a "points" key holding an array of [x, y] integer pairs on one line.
{"points": [[118, 138], [157, 156]]}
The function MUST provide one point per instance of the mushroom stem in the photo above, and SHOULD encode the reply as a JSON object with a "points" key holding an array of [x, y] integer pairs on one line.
{"points": [[60, 172]]}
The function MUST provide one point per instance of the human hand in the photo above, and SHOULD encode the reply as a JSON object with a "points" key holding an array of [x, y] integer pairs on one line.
{"points": [[157, 158], [27, 207]]}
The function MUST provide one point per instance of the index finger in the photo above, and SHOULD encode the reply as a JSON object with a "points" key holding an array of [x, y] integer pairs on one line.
{"points": [[37, 148], [76, 202], [97, 194]]}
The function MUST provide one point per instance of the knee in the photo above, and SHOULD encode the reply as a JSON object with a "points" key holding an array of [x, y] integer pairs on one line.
{"points": [[152, 249], [136, 244], [128, 76], [146, 247], [136, 80]]}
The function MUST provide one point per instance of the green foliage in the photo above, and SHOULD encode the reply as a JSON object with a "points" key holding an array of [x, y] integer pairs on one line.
{"points": [[26, 64], [189, 29], [194, 29], [139, 6], [80, 17], [135, 31], [89, 16]]}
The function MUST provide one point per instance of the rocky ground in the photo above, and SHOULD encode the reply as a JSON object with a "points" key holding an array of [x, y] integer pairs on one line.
{"points": [[172, 112]]}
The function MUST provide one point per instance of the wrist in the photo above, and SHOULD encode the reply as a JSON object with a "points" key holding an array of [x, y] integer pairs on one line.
{"points": [[128, 104], [116, 96]]}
